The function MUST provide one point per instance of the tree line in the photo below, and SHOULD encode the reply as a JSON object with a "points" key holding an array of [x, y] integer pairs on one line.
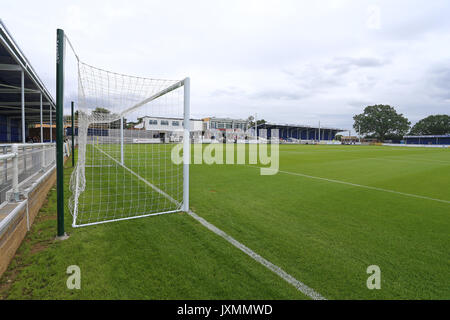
{"points": [[384, 123]]}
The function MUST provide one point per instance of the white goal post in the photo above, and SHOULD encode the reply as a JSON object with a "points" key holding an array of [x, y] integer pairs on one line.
{"points": [[128, 129]]}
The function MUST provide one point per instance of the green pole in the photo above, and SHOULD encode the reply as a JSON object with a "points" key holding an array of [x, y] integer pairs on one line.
{"points": [[60, 130], [73, 140]]}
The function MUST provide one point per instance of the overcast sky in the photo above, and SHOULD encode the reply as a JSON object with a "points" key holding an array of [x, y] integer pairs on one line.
{"points": [[289, 61]]}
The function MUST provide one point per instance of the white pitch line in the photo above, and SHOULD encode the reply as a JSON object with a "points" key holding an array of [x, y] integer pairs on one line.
{"points": [[303, 288], [358, 185], [300, 286]]}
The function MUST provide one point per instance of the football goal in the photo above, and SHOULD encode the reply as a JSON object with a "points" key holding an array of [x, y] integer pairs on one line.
{"points": [[128, 128]]}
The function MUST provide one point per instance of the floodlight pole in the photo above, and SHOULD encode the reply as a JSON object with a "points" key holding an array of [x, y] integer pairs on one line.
{"points": [[59, 132], [73, 137], [186, 144]]}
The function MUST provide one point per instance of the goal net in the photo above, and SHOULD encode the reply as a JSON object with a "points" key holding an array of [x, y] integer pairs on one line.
{"points": [[128, 128]]}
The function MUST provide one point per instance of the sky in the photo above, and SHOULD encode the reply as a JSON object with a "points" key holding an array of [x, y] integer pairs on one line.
{"points": [[296, 62]]}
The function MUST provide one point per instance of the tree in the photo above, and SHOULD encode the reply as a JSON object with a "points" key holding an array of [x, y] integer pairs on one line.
{"points": [[251, 122], [432, 125], [116, 124], [111, 124], [381, 121], [101, 110]]}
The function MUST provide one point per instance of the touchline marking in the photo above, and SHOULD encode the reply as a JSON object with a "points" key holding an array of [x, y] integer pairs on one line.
{"points": [[358, 185], [300, 286]]}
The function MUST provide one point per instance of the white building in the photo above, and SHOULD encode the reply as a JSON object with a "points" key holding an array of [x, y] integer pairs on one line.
{"points": [[225, 124], [169, 129]]}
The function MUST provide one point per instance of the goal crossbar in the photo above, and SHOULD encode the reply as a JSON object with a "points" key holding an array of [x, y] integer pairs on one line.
{"points": [[114, 117], [153, 97]]}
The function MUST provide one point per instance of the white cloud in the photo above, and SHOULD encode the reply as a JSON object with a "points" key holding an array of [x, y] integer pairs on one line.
{"points": [[374, 17]]}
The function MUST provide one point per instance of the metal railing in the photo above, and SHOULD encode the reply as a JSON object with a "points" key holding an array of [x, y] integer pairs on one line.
{"points": [[19, 163]]}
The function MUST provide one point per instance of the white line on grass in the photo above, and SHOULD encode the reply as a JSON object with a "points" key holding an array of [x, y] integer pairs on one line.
{"points": [[303, 288], [358, 185], [300, 286]]}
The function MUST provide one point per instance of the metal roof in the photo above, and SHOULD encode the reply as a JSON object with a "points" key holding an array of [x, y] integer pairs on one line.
{"points": [[12, 62], [300, 126]]}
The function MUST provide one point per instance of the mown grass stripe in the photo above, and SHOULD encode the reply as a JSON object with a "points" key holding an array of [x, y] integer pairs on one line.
{"points": [[358, 185]]}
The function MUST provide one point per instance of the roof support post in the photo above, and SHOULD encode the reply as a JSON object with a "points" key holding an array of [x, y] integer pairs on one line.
{"points": [[42, 129], [42, 135], [22, 93], [51, 133]]}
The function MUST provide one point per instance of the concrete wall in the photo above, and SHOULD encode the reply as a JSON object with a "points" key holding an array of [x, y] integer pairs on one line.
{"points": [[13, 233]]}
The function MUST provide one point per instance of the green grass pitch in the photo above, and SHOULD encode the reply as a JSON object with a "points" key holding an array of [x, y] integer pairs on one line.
{"points": [[324, 232]]}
